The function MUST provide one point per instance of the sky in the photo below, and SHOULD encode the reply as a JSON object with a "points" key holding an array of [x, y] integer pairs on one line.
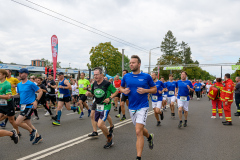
{"points": [[211, 29]]}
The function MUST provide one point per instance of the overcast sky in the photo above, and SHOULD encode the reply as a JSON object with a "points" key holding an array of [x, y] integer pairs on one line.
{"points": [[211, 29]]}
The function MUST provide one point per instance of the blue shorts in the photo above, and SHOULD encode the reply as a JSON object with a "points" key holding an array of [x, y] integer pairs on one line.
{"points": [[102, 115]]}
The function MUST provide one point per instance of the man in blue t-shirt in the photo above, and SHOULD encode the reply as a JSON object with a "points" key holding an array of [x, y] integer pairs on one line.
{"points": [[171, 85], [157, 98], [28, 101], [182, 91], [164, 95], [198, 88], [137, 85]]}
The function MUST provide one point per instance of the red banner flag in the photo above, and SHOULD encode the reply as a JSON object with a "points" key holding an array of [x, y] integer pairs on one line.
{"points": [[54, 43]]}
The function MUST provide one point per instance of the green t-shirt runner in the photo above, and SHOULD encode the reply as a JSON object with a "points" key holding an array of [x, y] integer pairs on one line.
{"points": [[5, 88], [102, 92], [82, 83]]}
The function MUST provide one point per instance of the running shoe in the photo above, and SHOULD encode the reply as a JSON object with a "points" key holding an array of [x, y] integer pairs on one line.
{"points": [[109, 142], [36, 118], [79, 110], [111, 129], [123, 118], [56, 123], [89, 113], [161, 116], [185, 124], [180, 125], [19, 134], [150, 143], [93, 134], [158, 123], [118, 116], [3, 125], [14, 137], [33, 134], [47, 114], [82, 114], [115, 109], [54, 118], [213, 117], [37, 140]]}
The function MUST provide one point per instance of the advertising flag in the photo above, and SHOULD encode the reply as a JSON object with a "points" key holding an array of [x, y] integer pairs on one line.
{"points": [[54, 44]]}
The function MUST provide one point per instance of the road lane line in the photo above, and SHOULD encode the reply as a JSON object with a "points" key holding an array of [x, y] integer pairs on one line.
{"points": [[67, 145]]}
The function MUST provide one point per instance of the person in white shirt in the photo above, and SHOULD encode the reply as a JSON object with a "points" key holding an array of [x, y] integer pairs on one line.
{"points": [[74, 92]]}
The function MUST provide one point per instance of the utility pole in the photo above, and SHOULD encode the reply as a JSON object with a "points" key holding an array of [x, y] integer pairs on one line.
{"points": [[149, 68]]}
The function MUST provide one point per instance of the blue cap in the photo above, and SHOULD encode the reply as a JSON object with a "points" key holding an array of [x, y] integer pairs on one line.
{"points": [[23, 70]]}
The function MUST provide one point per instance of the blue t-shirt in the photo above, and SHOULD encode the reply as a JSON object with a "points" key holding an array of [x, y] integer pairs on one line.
{"points": [[165, 93], [198, 87], [65, 92], [183, 89], [171, 87], [27, 92], [160, 86], [133, 82]]}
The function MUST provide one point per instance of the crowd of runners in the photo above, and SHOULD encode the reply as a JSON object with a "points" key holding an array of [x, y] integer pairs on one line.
{"points": [[100, 95]]}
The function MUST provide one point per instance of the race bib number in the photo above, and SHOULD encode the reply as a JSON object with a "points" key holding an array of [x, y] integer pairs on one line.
{"points": [[60, 96], [80, 85], [23, 106], [3, 102], [49, 89], [183, 98], [155, 98], [198, 87], [171, 92], [100, 107]]}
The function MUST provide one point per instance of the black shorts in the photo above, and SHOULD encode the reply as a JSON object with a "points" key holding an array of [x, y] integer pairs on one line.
{"points": [[52, 98], [65, 99], [118, 95], [94, 106], [82, 97], [8, 110], [124, 98], [27, 113]]}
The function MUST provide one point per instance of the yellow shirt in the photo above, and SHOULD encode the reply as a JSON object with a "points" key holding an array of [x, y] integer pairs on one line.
{"points": [[14, 81]]}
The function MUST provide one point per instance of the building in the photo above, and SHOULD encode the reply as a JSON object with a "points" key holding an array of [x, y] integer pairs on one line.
{"points": [[37, 63]]}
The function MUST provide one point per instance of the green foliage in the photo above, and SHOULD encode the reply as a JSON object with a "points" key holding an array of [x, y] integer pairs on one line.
{"points": [[49, 63], [109, 58], [236, 73], [1, 61], [176, 54]]}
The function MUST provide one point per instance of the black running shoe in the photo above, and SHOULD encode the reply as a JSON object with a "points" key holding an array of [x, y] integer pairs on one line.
{"points": [[158, 123], [33, 134], [19, 134], [94, 134], [185, 125], [54, 118], [111, 129], [109, 142], [161, 116], [180, 125], [14, 137]]}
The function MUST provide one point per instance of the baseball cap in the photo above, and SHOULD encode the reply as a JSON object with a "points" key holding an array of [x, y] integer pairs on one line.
{"points": [[23, 70], [60, 73]]}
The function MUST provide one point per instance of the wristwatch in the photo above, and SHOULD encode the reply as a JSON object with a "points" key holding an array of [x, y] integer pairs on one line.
{"points": [[36, 99], [110, 98]]}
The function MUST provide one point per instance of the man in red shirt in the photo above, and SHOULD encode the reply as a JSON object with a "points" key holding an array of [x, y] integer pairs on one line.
{"points": [[117, 84], [227, 98]]}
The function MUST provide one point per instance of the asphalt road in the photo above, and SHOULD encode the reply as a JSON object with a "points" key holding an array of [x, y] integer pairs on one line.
{"points": [[203, 138]]}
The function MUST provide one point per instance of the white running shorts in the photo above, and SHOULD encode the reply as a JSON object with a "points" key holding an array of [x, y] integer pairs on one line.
{"points": [[139, 116]]}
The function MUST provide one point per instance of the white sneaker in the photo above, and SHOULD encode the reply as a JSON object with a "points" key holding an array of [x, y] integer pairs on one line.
{"points": [[47, 114], [213, 117]]}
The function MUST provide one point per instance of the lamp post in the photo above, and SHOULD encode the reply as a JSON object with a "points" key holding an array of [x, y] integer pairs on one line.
{"points": [[149, 68]]}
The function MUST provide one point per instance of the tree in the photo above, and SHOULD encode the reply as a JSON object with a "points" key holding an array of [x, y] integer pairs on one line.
{"points": [[108, 57], [1, 61], [49, 63], [236, 73]]}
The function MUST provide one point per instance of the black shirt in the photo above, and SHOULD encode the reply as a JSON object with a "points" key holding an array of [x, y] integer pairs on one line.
{"points": [[237, 88], [50, 89], [44, 94]]}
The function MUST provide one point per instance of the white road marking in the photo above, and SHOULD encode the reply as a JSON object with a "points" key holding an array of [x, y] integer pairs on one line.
{"points": [[73, 142]]}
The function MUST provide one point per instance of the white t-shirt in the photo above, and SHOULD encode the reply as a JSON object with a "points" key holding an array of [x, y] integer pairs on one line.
{"points": [[74, 89], [208, 87]]}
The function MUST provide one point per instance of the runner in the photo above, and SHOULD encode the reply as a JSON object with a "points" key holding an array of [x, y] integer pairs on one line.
{"points": [[26, 89], [182, 91], [74, 92], [43, 100], [164, 99], [101, 90], [171, 85], [64, 97], [82, 86], [157, 98], [12, 134], [51, 86], [6, 103], [117, 84], [137, 86], [124, 99], [198, 87]]}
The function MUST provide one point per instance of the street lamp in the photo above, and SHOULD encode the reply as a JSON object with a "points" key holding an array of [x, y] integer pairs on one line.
{"points": [[150, 59]]}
